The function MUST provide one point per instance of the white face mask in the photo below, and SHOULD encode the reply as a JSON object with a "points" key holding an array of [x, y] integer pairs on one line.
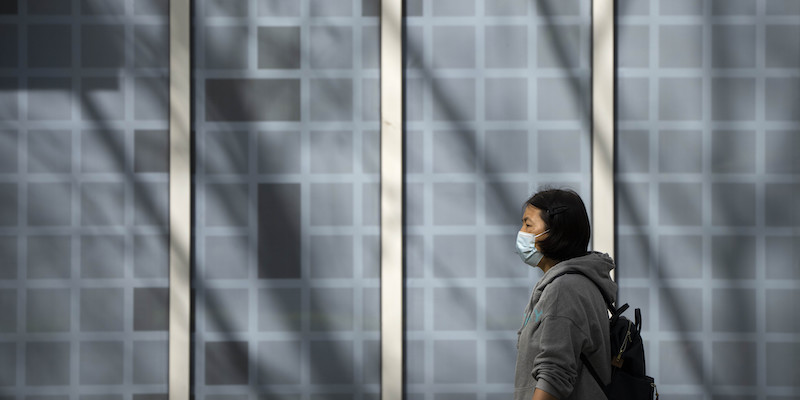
{"points": [[526, 248]]}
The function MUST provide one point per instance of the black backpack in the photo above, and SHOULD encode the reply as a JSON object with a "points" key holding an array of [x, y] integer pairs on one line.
{"points": [[629, 381]]}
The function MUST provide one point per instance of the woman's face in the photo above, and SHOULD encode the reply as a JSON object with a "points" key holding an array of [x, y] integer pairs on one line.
{"points": [[532, 222]]}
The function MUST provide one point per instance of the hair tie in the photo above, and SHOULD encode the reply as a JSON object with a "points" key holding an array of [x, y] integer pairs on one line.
{"points": [[556, 210]]}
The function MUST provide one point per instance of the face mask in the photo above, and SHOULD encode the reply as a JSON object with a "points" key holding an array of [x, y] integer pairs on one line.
{"points": [[526, 248]]}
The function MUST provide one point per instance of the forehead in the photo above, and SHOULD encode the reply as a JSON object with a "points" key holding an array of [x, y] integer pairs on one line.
{"points": [[532, 214]]}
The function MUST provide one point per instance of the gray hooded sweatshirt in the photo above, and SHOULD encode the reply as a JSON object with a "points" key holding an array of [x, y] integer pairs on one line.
{"points": [[564, 318]]}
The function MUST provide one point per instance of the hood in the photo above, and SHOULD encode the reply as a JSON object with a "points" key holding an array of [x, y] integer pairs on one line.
{"points": [[596, 266]]}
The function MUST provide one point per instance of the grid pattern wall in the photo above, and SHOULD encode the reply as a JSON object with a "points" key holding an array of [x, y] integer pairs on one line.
{"points": [[497, 104], [708, 192], [83, 200], [286, 200]]}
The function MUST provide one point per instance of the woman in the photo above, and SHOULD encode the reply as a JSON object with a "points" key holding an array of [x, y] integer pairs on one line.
{"points": [[567, 314]]}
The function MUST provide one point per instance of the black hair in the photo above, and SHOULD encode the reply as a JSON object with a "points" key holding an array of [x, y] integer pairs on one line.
{"points": [[564, 214]]}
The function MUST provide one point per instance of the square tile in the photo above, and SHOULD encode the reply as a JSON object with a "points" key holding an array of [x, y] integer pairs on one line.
{"points": [[49, 46], [102, 309], [47, 363], [505, 151], [454, 151], [783, 316], [152, 45], [102, 99], [371, 313], [783, 7], [638, 298], [781, 364], [557, 100], [9, 204], [558, 7], [279, 362], [48, 310], [681, 7], [150, 99], [102, 204], [733, 7], [102, 256], [455, 361], [331, 8], [735, 151], [731, 308], [782, 99], [680, 151], [49, 99], [49, 7], [415, 361], [501, 202], [741, 89], [502, 307], [49, 151], [331, 152], [226, 8], [680, 204], [10, 98], [49, 204], [226, 152], [680, 310], [226, 363], [633, 258], [680, 46], [780, 204], [102, 46], [226, 47], [733, 46], [227, 204], [333, 204], [102, 7], [733, 257], [453, 46], [8, 319], [633, 151], [370, 47], [415, 44], [9, 150], [559, 46], [687, 353], [452, 99], [9, 253], [680, 99], [371, 204], [735, 204], [331, 47], [150, 362], [455, 309], [151, 151], [733, 363], [634, 204], [279, 8], [151, 256], [506, 46], [151, 203], [331, 256], [227, 257], [279, 47], [454, 8], [783, 46], [678, 255], [505, 7], [506, 99], [497, 354], [332, 309], [226, 310], [103, 151], [454, 256], [416, 248], [782, 257], [331, 99], [371, 361], [335, 362], [280, 309], [9, 46], [454, 204], [780, 145], [370, 100], [559, 151], [150, 309], [370, 257], [633, 44], [633, 99], [49, 257], [8, 364], [415, 160], [415, 309], [633, 7], [150, 7], [278, 152], [278, 236]]}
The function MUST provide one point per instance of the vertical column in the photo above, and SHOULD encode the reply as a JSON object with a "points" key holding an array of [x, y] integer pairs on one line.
{"points": [[603, 125], [179, 199], [391, 201]]}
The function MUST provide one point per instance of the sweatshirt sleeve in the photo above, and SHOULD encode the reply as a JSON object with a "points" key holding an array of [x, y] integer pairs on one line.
{"points": [[555, 368]]}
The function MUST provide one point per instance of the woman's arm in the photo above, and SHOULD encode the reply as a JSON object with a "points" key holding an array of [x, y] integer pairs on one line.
{"points": [[540, 394]]}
